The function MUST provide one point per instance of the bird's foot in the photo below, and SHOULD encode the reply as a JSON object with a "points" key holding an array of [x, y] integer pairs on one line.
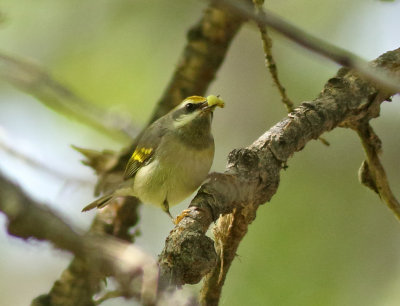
{"points": [[181, 216]]}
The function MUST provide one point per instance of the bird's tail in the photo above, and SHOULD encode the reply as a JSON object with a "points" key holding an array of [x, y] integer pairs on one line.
{"points": [[99, 203]]}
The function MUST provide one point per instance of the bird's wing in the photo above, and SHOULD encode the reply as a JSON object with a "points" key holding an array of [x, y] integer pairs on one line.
{"points": [[144, 152]]}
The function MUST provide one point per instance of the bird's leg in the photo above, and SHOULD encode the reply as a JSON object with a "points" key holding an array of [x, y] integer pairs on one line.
{"points": [[165, 207]]}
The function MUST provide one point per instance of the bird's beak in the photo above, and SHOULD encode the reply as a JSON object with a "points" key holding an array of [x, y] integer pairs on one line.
{"points": [[211, 103], [205, 107]]}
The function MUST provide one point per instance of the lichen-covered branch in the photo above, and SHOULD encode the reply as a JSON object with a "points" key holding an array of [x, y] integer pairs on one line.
{"points": [[252, 178]]}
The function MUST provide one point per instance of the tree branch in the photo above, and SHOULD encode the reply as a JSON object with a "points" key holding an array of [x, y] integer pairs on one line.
{"points": [[98, 256], [252, 178]]}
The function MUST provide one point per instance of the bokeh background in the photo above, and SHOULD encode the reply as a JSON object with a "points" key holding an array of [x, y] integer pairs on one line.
{"points": [[322, 240]]}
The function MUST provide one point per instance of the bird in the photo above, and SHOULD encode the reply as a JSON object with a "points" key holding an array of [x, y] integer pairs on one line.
{"points": [[172, 158]]}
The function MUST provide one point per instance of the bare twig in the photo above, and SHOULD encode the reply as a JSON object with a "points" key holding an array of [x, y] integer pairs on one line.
{"points": [[270, 61], [372, 173], [35, 81], [269, 58], [330, 51], [252, 178]]}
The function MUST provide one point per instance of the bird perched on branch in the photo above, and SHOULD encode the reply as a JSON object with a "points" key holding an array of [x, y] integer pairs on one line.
{"points": [[172, 158]]}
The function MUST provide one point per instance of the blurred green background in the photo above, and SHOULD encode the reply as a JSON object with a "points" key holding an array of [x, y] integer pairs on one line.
{"points": [[322, 240]]}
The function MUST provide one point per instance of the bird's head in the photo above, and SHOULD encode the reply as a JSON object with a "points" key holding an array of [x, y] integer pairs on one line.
{"points": [[195, 112]]}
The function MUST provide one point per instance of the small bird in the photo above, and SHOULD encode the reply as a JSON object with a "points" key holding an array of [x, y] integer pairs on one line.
{"points": [[172, 158]]}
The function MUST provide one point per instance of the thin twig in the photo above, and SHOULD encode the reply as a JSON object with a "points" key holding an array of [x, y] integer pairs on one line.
{"points": [[324, 48], [372, 173], [270, 61], [269, 58]]}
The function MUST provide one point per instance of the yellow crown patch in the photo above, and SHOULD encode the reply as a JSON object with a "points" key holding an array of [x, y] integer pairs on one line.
{"points": [[195, 99]]}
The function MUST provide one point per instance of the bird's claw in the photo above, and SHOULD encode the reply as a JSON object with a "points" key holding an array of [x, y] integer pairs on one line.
{"points": [[181, 216]]}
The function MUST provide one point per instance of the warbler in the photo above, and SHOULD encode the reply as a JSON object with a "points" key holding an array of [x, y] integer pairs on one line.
{"points": [[172, 158]]}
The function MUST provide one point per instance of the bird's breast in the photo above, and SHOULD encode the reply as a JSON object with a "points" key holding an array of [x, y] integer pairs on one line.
{"points": [[175, 173]]}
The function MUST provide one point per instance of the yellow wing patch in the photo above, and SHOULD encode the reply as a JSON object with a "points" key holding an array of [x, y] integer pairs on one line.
{"points": [[141, 154], [137, 159]]}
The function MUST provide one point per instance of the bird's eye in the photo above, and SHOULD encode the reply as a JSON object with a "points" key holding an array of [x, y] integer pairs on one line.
{"points": [[190, 107]]}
